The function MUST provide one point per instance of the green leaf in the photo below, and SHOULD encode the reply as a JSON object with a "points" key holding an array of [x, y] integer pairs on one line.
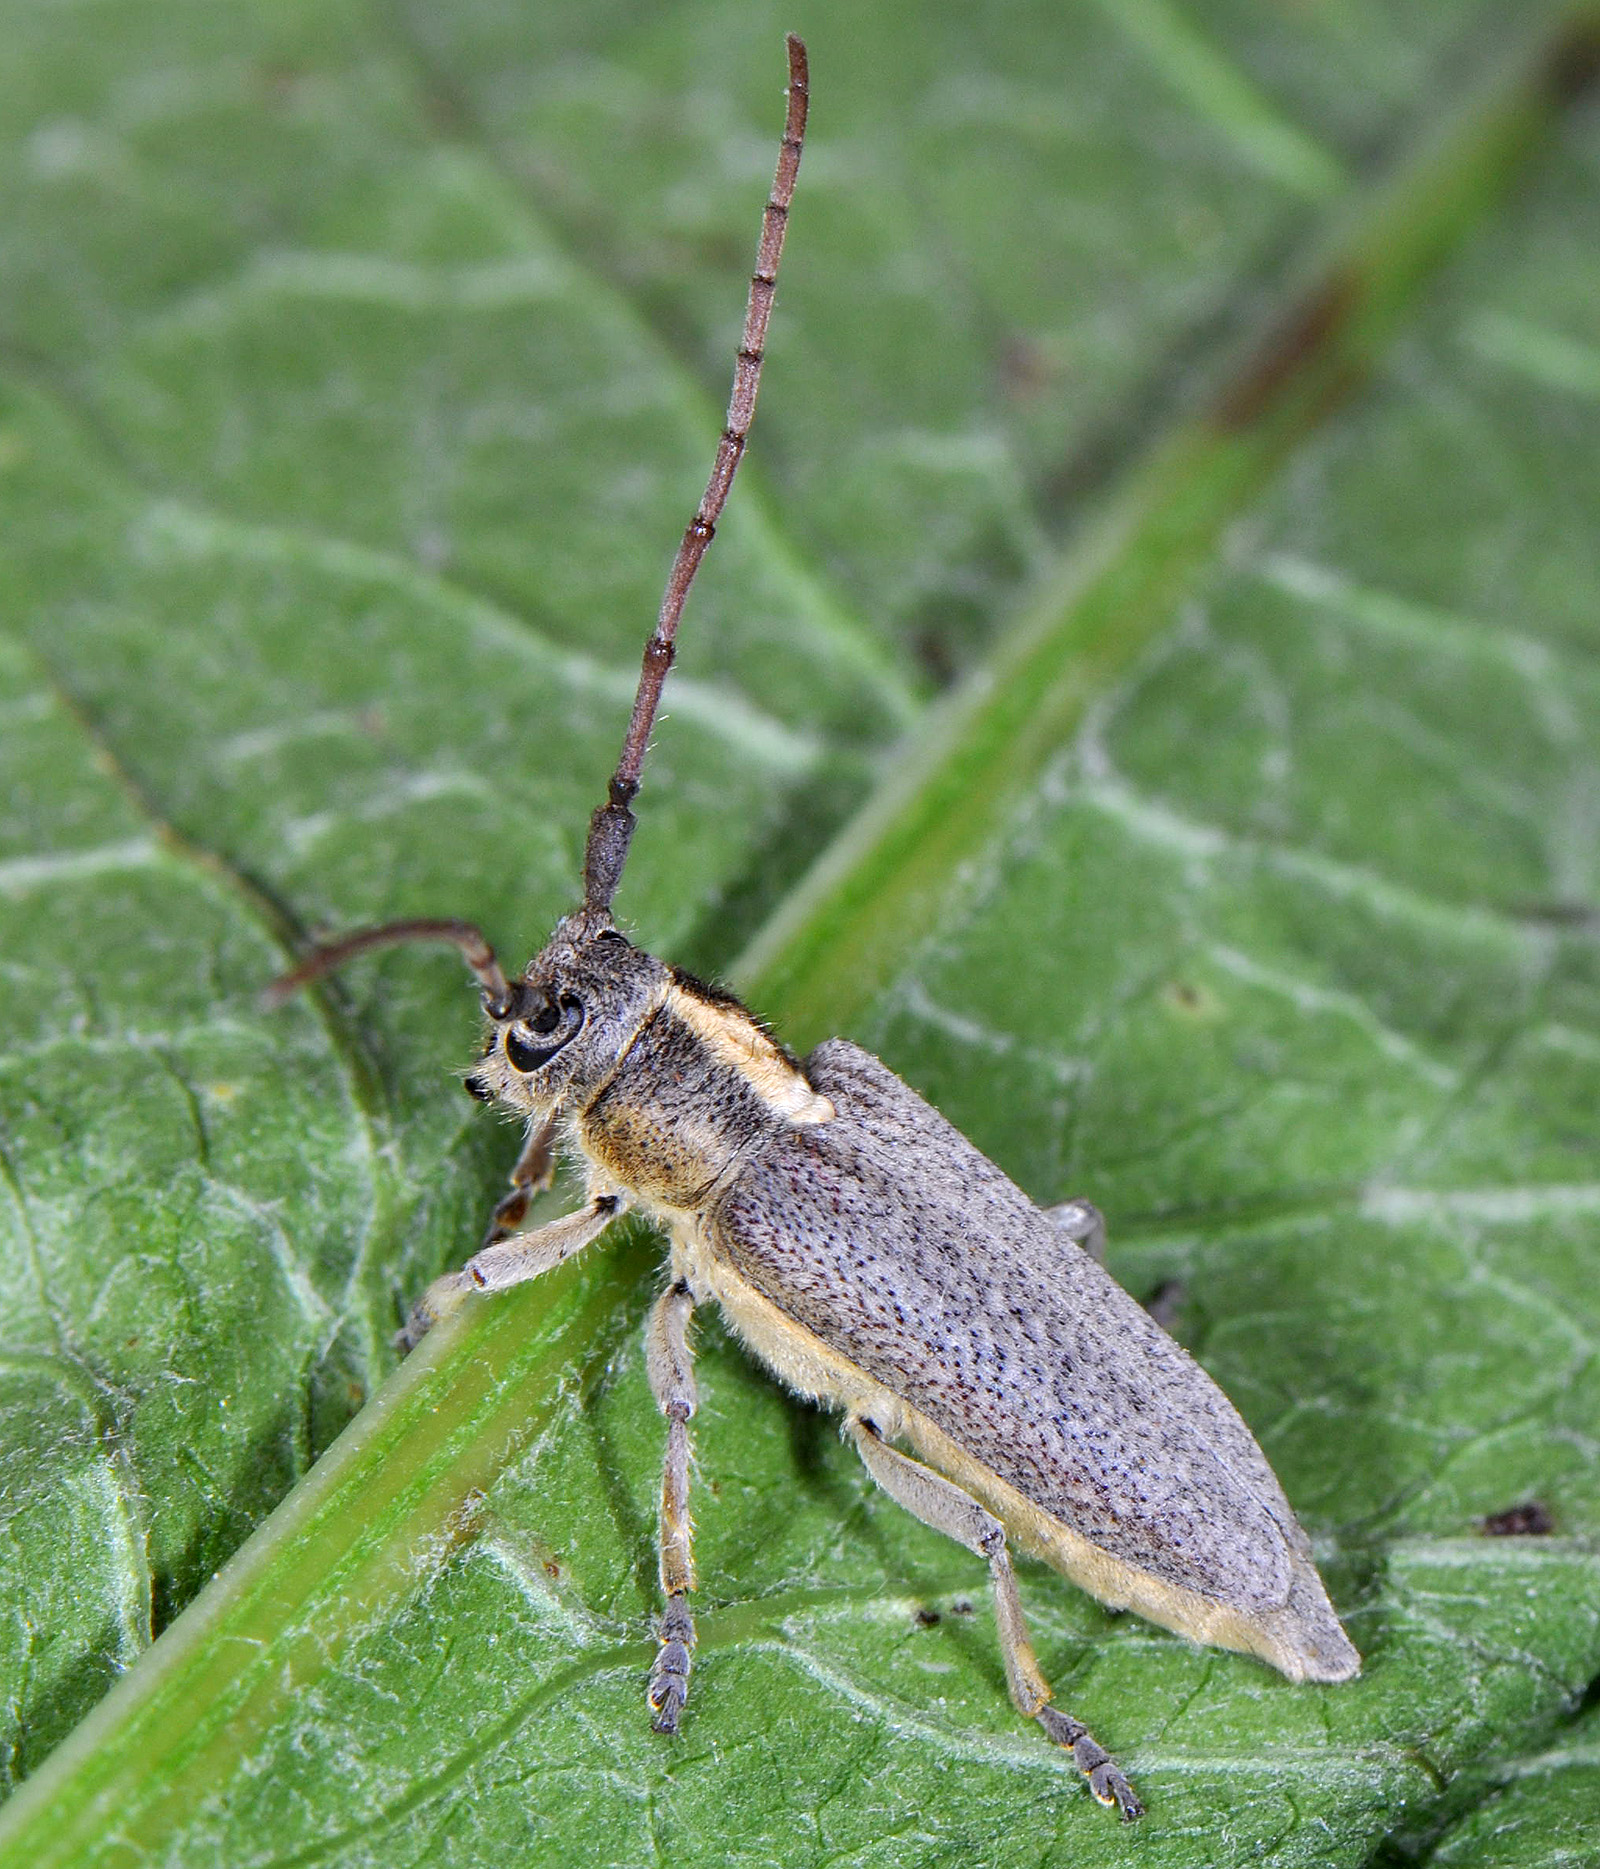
{"points": [[359, 374], [1535, 1812]]}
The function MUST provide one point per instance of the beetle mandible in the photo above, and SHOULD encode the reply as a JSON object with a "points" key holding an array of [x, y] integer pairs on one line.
{"points": [[866, 1252]]}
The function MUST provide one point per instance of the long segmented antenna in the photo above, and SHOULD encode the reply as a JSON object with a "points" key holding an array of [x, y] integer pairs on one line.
{"points": [[475, 951], [611, 827]]}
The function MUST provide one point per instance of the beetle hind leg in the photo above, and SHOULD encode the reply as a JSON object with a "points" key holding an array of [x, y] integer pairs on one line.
{"points": [[670, 1365], [1085, 1225], [1105, 1776], [942, 1504]]}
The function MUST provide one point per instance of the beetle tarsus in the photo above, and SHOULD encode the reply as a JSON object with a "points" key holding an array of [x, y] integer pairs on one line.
{"points": [[1106, 1779], [669, 1677]]}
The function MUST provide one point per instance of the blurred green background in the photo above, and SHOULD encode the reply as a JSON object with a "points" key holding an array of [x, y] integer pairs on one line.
{"points": [[359, 367]]}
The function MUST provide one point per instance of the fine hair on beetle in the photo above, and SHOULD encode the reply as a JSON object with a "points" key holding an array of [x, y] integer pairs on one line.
{"points": [[864, 1251]]}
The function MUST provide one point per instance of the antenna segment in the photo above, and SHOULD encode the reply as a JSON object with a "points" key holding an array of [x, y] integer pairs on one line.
{"points": [[611, 827]]}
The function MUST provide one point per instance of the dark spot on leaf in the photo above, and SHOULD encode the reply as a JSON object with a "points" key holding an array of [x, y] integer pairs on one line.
{"points": [[1530, 1519], [1193, 1002]]}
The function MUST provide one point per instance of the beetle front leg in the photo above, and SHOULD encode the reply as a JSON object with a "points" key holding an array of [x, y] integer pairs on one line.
{"points": [[509, 1262], [670, 1364], [942, 1504]]}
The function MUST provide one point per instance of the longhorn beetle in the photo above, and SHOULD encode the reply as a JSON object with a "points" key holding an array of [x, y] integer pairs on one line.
{"points": [[866, 1252]]}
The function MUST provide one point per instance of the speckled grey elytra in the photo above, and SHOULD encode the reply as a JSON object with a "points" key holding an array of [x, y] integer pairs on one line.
{"points": [[868, 1254]]}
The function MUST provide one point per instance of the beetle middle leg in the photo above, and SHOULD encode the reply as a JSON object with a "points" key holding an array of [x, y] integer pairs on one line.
{"points": [[1083, 1223], [940, 1503], [670, 1364]]}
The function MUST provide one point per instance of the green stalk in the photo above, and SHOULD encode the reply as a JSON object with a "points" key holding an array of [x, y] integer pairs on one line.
{"points": [[373, 1519], [394, 1495]]}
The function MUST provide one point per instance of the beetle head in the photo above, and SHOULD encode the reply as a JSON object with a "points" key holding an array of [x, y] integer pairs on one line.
{"points": [[564, 1026]]}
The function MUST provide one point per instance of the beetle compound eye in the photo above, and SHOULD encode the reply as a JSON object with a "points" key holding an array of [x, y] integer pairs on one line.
{"points": [[525, 1057], [554, 1026]]}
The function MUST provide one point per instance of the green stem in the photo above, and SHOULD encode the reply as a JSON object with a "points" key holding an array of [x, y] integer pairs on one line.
{"points": [[394, 1495], [371, 1521]]}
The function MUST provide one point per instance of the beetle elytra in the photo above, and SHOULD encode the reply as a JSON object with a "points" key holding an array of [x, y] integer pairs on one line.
{"points": [[867, 1253]]}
